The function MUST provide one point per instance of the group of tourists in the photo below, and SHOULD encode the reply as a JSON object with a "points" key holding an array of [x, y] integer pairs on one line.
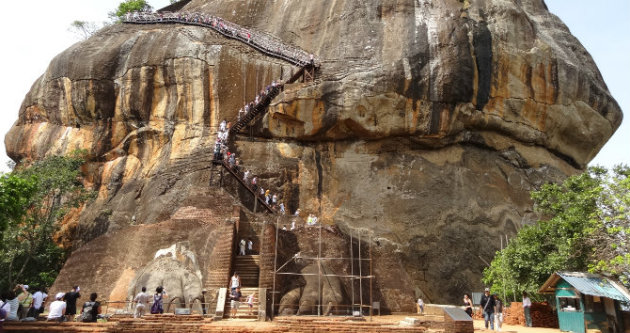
{"points": [[142, 301], [260, 41], [21, 304], [492, 308], [236, 295], [245, 247]]}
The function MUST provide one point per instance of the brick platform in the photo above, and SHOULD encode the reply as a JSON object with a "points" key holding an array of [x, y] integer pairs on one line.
{"points": [[189, 324]]}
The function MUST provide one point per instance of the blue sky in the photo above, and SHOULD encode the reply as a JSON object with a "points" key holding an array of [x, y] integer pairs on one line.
{"points": [[39, 31], [603, 28]]}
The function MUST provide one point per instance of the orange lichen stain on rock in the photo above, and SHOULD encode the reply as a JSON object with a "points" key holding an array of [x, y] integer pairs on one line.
{"points": [[132, 165], [118, 132], [418, 114], [34, 114], [66, 108], [317, 116], [535, 113], [119, 292], [106, 176], [495, 106], [159, 101], [542, 83], [69, 223], [29, 148], [212, 103], [330, 207], [445, 118]]}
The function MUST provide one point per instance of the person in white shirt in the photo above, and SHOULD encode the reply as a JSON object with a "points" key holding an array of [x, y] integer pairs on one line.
{"points": [[420, 306], [57, 309], [142, 299], [38, 301], [527, 304]]}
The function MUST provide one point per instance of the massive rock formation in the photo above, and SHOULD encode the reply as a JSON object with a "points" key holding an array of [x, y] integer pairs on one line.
{"points": [[428, 123]]}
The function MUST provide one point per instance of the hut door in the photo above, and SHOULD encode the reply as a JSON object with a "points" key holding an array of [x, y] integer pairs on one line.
{"points": [[611, 313], [570, 314]]}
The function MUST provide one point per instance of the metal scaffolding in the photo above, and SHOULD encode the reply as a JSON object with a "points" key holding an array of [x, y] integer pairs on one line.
{"points": [[352, 276]]}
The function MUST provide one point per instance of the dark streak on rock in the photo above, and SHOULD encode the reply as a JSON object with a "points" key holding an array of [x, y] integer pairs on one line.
{"points": [[482, 42]]}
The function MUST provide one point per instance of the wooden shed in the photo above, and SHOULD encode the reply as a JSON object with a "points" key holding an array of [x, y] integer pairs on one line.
{"points": [[588, 301]]}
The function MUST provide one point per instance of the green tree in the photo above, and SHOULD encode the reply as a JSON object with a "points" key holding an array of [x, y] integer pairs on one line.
{"points": [[30, 254], [129, 6], [15, 197], [609, 239], [584, 227]]}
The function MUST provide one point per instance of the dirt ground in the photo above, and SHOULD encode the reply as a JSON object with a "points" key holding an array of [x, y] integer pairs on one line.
{"points": [[395, 319], [479, 327]]}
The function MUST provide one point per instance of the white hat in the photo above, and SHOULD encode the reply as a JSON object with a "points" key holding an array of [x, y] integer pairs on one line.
{"points": [[487, 289], [59, 295], [25, 286]]}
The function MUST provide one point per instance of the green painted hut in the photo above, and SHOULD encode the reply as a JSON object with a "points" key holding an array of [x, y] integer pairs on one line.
{"points": [[588, 301]]}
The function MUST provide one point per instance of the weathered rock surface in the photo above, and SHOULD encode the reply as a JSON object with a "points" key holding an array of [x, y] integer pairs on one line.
{"points": [[427, 126]]}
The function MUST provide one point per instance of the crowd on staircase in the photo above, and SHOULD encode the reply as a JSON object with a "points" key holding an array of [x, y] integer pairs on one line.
{"points": [[258, 40]]}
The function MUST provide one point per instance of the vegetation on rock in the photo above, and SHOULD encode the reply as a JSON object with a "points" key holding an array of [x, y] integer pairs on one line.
{"points": [[83, 29], [129, 6], [35, 199], [585, 225]]}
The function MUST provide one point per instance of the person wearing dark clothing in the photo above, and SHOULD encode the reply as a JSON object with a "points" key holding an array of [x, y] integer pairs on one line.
{"points": [[90, 310], [235, 298], [468, 305], [487, 304], [71, 302]]}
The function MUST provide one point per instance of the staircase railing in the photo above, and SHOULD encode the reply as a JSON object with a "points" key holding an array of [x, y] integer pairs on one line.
{"points": [[239, 177], [262, 42]]}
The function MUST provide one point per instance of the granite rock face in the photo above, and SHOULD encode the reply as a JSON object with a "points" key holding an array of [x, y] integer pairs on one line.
{"points": [[426, 127]]}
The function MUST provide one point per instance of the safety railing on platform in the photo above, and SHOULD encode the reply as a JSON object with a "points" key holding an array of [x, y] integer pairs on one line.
{"points": [[128, 307], [265, 43]]}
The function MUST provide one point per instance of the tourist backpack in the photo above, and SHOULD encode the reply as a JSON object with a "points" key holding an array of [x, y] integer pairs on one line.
{"points": [[89, 311]]}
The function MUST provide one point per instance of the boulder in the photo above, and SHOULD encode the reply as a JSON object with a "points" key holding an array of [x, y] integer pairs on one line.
{"points": [[426, 127]]}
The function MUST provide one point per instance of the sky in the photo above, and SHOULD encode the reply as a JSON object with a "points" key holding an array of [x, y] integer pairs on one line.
{"points": [[35, 31]]}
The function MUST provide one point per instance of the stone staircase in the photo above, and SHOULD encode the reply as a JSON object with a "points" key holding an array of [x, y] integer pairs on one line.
{"points": [[248, 269], [243, 310]]}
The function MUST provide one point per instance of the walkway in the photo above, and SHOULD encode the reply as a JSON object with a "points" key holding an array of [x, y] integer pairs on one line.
{"points": [[264, 43], [240, 177]]}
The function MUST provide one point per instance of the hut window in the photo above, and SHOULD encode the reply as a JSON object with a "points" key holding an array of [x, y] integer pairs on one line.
{"points": [[569, 303]]}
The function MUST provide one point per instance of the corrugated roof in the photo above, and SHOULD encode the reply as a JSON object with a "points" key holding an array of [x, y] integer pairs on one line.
{"points": [[594, 285]]}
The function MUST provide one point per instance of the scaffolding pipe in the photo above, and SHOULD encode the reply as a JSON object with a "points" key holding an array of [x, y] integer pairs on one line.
{"points": [[329, 275], [352, 267], [371, 300], [275, 264], [319, 276], [360, 280]]}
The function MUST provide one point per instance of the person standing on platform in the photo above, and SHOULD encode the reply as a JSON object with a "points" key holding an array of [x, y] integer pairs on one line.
{"points": [[141, 300], [420, 306], [468, 305], [498, 312], [527, 304], [71, 302], [487, 303]]}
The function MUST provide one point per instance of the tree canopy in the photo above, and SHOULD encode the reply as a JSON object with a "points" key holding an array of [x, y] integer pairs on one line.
{"points": [[43, 193], [584, 227], [129, 6]]}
